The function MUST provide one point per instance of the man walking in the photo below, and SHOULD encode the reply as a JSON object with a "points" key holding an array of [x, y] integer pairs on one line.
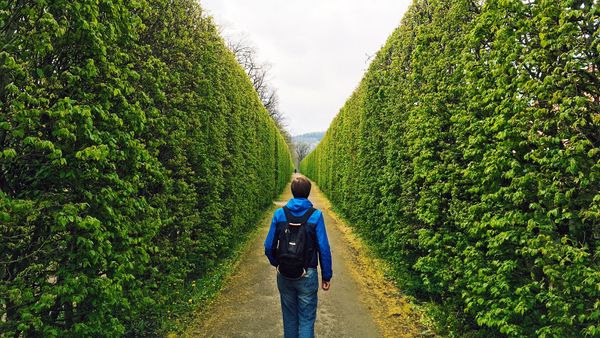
{"points": [[296, 243]]}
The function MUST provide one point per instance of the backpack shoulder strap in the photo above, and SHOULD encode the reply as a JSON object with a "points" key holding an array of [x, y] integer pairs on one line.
{"points": [[298, 220], [307, 215]]}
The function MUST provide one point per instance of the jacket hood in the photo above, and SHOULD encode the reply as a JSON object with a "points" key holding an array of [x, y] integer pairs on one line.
{"points": [[299, 204]]}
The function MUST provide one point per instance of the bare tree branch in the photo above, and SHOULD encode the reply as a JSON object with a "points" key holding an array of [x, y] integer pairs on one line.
{"points": [[258, 74], [302, 149]]}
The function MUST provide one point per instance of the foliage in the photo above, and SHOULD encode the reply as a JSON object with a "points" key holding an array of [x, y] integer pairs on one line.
{"points": [[134, 152], [469, 155]]}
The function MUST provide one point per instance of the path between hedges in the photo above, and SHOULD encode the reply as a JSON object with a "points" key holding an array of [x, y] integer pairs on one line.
{"points": [[360, 303]]}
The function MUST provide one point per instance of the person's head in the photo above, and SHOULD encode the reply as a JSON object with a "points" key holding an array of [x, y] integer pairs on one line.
{"points": [[300, 187]]}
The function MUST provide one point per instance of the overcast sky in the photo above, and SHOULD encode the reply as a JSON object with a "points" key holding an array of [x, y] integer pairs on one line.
{"points": [[318, 49]]}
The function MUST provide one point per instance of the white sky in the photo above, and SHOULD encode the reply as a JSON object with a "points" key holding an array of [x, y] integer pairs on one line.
{"points": [[318, 50]]}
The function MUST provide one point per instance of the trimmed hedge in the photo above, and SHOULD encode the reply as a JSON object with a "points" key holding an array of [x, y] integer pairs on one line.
{"points": [[134, 154], [469, 156]]}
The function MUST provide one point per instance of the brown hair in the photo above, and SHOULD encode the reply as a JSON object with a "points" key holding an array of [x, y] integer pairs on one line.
{"points": [[300, 187]]}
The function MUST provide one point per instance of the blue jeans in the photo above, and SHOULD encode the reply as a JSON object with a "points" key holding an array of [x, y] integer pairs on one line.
{"points": [[299, 304]]}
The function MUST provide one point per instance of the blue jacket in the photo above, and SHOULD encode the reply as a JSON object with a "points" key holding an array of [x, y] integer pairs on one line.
{"points": [[298, 207]]}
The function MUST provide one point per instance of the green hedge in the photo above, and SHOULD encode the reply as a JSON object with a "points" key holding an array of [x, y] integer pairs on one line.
{"points": [[134, 154], [469, 156]]}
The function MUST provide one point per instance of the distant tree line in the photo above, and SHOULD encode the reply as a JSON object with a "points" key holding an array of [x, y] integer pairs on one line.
{"points": [[469, 157], [134, 155]]}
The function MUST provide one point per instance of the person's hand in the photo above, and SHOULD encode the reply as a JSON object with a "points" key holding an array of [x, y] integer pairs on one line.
{"points": [[325, 285]]}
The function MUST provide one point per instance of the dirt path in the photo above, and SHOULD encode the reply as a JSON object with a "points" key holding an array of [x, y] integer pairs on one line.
{"points": [[360, 303]]}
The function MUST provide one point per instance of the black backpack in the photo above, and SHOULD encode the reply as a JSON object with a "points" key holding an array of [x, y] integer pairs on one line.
{"points": [[293, 244]]}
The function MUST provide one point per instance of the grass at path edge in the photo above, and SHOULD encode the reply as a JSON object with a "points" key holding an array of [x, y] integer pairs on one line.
{"points": [[202, 292], [384, 283], [370, 255]]}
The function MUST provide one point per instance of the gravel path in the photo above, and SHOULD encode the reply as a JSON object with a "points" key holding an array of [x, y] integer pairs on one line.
{"points": [[360, 303]]}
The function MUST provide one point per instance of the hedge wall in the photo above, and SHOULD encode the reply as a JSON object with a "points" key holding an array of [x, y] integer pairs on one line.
{"points": [[469, 156], [134, 154]]}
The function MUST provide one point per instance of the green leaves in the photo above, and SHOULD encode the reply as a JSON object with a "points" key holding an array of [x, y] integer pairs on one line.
{"points": [[134, 153], [474, 157], [96, 153]]}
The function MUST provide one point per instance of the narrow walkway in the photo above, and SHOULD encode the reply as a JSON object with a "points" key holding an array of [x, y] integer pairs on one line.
{"points": [[360, 302]]}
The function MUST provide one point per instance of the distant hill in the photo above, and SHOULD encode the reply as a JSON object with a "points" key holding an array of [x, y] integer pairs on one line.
{"points": [[311, 138]]}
